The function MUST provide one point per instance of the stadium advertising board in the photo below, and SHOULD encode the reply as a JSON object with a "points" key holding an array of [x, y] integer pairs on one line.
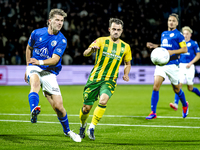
{"points": [[78, 75]]}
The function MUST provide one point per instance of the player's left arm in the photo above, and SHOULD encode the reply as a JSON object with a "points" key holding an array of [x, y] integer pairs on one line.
{"points": [[127, 68], [196, 58], [51, 61], [183, 49], [127, 61]]}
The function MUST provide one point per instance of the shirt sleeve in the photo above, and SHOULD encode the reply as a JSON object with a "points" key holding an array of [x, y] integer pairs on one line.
{"points": [[181, 41], [60, 48], [196, 47], [32, 38], [97, 42], [128, 54]]}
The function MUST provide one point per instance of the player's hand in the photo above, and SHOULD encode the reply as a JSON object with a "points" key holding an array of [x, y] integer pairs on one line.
{"points": [[25, 78], [33, 61], [188, 66], [150, 45], [170, 52], [94, 49], [126, 78]]}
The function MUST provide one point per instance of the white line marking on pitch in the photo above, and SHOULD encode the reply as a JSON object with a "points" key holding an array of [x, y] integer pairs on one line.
{"points": [[117, 116], [119, 125]]}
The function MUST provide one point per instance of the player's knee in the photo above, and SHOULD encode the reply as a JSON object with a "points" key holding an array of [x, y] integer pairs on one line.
{"points": [[190, 89], [155, 88], [86, 109]]}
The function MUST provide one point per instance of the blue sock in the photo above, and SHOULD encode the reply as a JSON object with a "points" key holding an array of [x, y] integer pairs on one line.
{"points": [[182, 97], [176, 99], [33, 98], [196, 91], [65, 124], [154, 100]]}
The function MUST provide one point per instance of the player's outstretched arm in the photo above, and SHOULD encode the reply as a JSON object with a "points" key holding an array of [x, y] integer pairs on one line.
{"points": [[196, 58], [178, 51], [90, 50], [127, 68], [151, 45]]}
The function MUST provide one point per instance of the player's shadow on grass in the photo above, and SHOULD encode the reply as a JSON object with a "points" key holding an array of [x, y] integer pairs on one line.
{"points": [[22, 138], [156, 142]]}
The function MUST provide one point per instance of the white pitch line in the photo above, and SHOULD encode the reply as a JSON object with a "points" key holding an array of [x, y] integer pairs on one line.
{"points": [[119, 125], [115, 116]]}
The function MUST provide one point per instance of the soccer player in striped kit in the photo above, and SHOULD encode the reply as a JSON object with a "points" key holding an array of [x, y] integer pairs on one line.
{"points": [[110, 51], [186, 66], [44, 55], [175, 43]]}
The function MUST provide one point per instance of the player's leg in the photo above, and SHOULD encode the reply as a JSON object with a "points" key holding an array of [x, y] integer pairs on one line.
{"points": [[159, 76], [52, 93], [90, 95], [181, 76], [194, 90], [106, 91], [155, 96], [181, 95], [83, 115], [33, 97], [176, 100], [190, 77]]}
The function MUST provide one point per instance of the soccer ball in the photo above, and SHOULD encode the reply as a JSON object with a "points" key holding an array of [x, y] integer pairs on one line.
{"points": [[160, 56]]}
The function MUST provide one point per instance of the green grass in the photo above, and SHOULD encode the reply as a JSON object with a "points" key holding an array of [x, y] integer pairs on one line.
{"points": [[125, 129]]}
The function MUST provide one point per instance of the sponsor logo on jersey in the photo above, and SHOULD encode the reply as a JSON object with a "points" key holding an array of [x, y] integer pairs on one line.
{"points": [[59, 50], [165, 43], [110, 55], [43, 52], [55, 89]]}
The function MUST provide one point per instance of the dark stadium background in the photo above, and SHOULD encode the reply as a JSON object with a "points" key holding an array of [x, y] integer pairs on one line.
{"points": [[87, 20]]}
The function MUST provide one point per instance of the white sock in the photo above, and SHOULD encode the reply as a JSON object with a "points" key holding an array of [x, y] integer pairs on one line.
{"points": [[175, 105], [92, 126], [83, 126]]}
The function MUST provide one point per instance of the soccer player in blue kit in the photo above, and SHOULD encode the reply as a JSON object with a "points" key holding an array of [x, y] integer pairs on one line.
{"points": [[43, 55], [186, 66], [175, 43]]}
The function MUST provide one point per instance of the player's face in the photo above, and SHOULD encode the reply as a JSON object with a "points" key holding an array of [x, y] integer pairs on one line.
{"points": [[56, 22], [115, 31], [172, 23], [187, 35]]}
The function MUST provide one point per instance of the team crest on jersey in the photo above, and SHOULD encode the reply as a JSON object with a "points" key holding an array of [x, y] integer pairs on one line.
{"points": [[85, 96], [188, 44], [53, 43], [122, 49], [106, 45], [171, 35]]}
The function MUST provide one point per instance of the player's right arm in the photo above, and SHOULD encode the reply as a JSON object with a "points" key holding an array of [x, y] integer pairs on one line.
{"points": [[28, 53], [151, 45], [90, 50], [28, 56]]}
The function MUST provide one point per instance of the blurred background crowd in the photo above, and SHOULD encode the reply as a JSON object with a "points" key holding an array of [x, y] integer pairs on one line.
{"points": [[144, 20]]}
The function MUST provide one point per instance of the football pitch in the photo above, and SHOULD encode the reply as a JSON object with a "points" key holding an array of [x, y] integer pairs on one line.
{"points": [[123, 126]]}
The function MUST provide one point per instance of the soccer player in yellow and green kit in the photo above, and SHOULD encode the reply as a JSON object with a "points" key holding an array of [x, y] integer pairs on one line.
{"points": [[110, 51]]}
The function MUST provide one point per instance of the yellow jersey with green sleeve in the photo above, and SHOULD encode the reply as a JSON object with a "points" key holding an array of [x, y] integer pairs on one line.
{"points": [[108, 59]]}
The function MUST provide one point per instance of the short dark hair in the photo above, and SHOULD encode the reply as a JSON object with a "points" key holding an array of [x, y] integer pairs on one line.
{"points": [[174, 15], [117, 21]]}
